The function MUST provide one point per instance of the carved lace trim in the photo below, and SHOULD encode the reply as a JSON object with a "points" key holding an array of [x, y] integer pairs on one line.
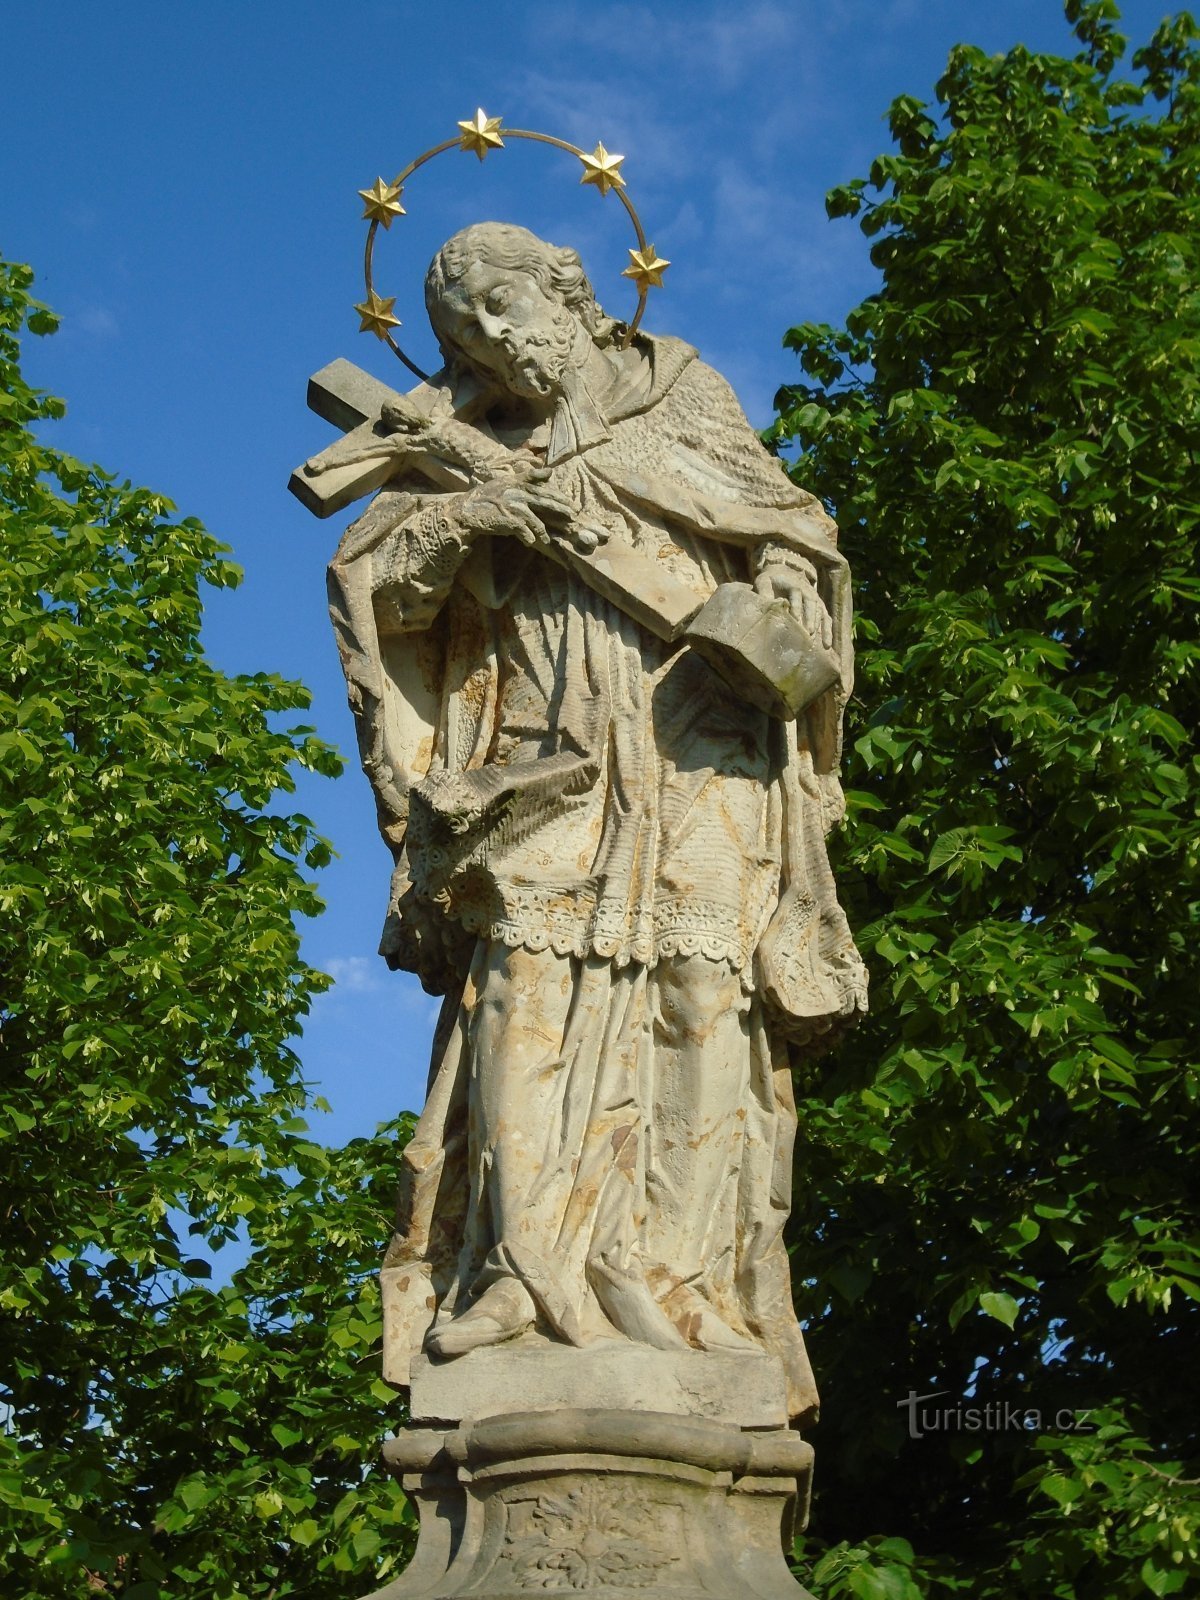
{"points": [[570, 921], [426, 558]]}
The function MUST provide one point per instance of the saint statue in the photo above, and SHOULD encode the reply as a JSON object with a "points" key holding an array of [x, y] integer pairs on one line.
{"points": [[609, 861]]}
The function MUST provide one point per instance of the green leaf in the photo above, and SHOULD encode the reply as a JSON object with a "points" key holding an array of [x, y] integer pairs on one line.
{"points": [[999, 1305]]}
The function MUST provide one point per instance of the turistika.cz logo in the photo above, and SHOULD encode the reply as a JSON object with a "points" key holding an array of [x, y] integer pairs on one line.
{"points": [[994, 1416]]}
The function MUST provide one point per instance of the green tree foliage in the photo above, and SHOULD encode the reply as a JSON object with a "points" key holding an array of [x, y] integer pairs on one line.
{"points": [[998, 1177], [165, 1432]]}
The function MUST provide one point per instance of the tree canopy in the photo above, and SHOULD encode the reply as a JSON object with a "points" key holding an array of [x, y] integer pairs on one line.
{"points": [[168, 1430], [996, 1198], [997, 1182]]}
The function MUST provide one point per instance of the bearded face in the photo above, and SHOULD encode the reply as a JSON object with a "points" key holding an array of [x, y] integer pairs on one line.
{"points": [[506, 326]]}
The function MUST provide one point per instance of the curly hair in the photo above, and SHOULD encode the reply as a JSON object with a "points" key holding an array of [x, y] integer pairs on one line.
{"points": [[556, 269]]}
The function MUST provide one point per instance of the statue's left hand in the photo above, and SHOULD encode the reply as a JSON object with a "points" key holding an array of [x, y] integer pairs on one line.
{"points": [[798, 586]]}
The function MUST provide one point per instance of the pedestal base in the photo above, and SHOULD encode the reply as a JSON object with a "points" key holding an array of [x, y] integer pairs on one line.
{"points": [[620, 1504], [742, 1387]]}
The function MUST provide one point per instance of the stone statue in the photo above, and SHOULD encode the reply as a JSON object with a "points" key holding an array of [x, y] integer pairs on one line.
{"points": [[597, 647]]}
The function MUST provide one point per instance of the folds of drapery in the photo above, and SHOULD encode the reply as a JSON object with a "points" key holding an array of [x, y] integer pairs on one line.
{"points": [[538, 1157], [424, 681]]}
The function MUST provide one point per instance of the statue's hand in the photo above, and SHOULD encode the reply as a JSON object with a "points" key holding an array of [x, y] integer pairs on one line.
{"points": [[798, 586], [527, 510]]}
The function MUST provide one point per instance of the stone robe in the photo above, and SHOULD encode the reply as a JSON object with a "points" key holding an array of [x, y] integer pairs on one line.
{"points": [[587, 824]]}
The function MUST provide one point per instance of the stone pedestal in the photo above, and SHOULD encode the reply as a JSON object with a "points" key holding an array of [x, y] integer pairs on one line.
{"points": [[744, 1387], [624, 1505]]}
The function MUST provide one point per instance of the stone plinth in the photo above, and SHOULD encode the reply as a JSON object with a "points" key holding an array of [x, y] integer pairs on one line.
{"points": [[622, 1505], [741, 1387]]}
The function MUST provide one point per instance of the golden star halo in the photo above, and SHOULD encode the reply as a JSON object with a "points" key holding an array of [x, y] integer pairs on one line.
{"points": [[602, 169], [383, 202], [376, 314], [646, 268], [480, 133]]}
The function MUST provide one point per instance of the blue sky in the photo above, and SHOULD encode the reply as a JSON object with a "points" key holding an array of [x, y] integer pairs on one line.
{"points": [[182, 179]]}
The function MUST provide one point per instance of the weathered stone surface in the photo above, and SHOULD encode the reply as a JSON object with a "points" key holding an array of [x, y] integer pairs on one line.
{"points": [[561, 621], [758, 646], [370, 455], [597, 648], [743, 1387], [601, 1503]]}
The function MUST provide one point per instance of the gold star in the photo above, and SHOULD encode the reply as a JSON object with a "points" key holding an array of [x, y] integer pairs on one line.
{"points": [[480, 134], [383, 202], [376, 314], [647, 269], [600, 168]]}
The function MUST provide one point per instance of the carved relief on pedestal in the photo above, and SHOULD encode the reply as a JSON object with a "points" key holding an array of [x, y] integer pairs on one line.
{"points": [[591, 1533]]}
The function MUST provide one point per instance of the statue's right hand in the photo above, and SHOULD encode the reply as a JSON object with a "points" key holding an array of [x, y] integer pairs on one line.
{"points": [[499, 507], [531, 513]]}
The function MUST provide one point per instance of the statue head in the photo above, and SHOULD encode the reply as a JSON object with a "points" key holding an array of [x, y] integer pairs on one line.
{"points": [[513, 308]]}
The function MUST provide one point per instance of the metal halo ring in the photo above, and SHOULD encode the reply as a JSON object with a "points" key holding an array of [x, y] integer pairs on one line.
{"points": [[509, 133]]}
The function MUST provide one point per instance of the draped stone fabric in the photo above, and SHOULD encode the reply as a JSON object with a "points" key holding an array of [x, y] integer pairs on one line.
{"points": [[612, 868]]}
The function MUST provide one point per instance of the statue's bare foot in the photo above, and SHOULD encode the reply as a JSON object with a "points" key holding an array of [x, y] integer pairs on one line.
{"points": [[699, 1324], [630, 1306], [503, 1311]]}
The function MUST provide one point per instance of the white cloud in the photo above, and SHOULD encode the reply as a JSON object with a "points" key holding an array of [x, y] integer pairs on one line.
{"points": [[391, 994], [712, 44], [98, 321], [356, 974], [604, 106], [761, 235], [663, 87]]}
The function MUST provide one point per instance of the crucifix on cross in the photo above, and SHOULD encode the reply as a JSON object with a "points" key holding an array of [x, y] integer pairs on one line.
{"points": [[754, 643]]}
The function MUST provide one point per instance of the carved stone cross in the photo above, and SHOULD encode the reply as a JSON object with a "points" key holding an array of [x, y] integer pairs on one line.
{"points": [[354, 401], [754, 644]]}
